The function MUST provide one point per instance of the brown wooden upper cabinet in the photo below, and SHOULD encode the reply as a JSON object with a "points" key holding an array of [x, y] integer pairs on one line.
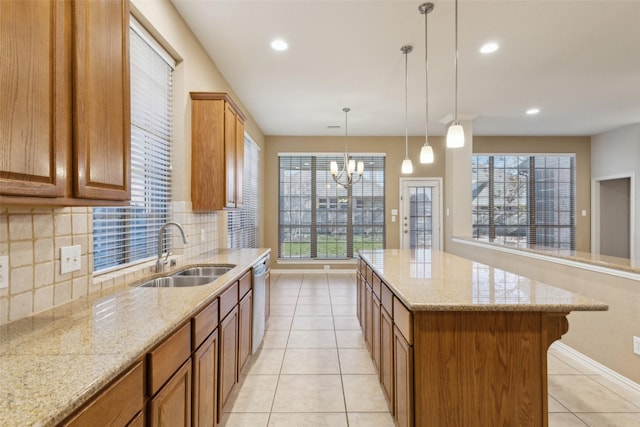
{"points": [[217, 153], [64, 102]]}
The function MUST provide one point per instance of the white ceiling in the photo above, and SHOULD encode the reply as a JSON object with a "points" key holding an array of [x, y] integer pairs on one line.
{"points": [[578, 61]]}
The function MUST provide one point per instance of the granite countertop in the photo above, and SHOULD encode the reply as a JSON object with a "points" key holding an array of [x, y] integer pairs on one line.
{"points": [[426, 280], [53, 362]]}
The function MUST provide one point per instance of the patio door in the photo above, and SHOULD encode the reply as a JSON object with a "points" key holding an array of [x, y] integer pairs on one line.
{"points": [[420, 213]]}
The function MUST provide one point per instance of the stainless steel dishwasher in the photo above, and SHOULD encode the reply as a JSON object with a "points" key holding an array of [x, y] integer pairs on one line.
{"points": [[260, 270]]}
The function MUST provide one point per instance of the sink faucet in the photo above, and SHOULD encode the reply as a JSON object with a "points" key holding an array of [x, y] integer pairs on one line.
{"points": [[159, 263]]}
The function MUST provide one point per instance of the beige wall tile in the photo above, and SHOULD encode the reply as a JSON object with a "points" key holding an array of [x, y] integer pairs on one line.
{"points": [[43, 225], [79, 223], [4, 310], [20, 227], [43, 274], [62, 292], [4, 228], [21, 279], [20, 306], [20, 253], [62, 224], [43, 299], [80, 287], [43, 250]]}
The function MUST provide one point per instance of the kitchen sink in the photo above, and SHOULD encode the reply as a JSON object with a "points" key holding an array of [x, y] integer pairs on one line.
{"points": [[177, 282], [208, 271]]}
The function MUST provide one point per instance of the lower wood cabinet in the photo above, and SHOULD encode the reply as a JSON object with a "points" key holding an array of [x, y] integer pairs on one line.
{"points": [[368, 317], [403, 377], [171, 407], [386, 356], [244, 331], [228, 357], [375, 342], [205, 383]]}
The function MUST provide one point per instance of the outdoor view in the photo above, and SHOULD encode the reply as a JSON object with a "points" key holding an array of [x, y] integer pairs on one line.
{"points": [[322, 219]]}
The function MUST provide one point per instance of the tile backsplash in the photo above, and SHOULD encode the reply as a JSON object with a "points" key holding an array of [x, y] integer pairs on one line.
{"points": [[32, 238]]}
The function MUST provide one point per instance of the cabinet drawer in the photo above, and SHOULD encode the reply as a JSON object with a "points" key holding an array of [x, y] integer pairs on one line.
{"points": [[168, 356], [228, 300], [376, 284], [204, 323], [403, 320], [117, 405], [245, 283], [387, 299]]}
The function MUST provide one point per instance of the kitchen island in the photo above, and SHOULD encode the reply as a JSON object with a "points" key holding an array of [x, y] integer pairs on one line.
{"points": [[460, 343], [53, 363]]}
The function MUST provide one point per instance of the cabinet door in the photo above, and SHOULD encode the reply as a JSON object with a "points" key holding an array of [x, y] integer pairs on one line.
{"points": [[228, 357], [403, 375], [205, 381], [375, 342], [359, 300], [244, 331], [368, 317], [239, 160], [386, 356], [230, 155], [267, 295], [35, 98], [171, 407], [101, 107]]}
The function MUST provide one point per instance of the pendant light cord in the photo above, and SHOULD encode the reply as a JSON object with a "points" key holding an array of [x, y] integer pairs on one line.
{"points": [[426, 79], [406, 109], [455, 111]]}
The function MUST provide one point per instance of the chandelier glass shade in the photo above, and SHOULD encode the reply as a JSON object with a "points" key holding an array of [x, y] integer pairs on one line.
{"points": [[351, 172]]}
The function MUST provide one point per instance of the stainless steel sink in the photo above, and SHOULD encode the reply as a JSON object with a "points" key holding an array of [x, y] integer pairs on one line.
{"points": [[177, 282], [208, 271]]}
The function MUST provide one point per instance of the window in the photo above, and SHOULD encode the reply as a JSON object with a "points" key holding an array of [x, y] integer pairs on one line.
{"points": [[524, 200], [124, 235], [242, 224], [319, 219]]}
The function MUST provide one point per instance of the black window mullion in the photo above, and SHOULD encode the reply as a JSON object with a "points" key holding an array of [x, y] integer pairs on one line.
{"points": [[533, 238], [492, 188], [314, 223]]}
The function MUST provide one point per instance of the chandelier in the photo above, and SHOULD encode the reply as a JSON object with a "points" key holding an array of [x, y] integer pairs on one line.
{"points": [[346, 176]]}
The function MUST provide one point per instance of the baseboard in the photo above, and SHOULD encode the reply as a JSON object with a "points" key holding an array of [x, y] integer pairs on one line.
{"points": [[597, 367]]}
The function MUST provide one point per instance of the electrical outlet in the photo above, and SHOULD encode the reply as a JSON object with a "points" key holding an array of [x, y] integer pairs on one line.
{"points": [[636, 345], [327, 267], [4, 272], [70, 259]]}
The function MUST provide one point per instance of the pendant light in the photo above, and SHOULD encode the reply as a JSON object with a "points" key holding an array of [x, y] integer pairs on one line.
{"points": [[407, 166], [455, 134], [426, 152], [349, 167]]}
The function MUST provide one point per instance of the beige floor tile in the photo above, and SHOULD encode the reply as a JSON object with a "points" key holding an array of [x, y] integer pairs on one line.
{"points": [[343, 299], [346, 322], [626, 393], [275, 339], [555, 406], [611, 420], [267, 361], [363, 393], [283, 309], [285, 291], [255, 394], [313, 323], [308, 420], [350, 339], [312, 339], [299, 361], [370, 419], [313, 310], [356, 361], [558, 366], [342, 291], [314, 299], [576, 364], [315, 279], [344, 309], [288, 278], [309, 393], [245, 420], [283, 299], [314, 292], [279, 323], [565, 420], [580, 393]]}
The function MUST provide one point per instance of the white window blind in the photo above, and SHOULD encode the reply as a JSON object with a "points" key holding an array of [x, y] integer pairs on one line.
{"points": [[125, 235], [243, 226]]}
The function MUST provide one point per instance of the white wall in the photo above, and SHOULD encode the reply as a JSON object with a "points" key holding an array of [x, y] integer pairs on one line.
{"points": [[617, 153]]}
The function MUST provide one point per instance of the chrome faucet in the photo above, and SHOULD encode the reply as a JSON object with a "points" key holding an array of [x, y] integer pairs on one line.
{"points": [[159, 263]]}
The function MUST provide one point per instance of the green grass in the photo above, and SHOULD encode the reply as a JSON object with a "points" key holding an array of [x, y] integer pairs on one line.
{"points": [[328, 247]]}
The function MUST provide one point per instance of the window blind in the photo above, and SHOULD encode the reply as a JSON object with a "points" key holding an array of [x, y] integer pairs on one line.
{"points": [[124, 235], [243, 227]]}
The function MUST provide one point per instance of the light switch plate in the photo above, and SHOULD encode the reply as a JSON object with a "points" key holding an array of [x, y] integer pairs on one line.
{"points": [[4, 272], [70, 257]]}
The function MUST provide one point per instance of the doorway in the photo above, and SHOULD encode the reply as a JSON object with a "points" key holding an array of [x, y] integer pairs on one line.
{"points": [[612, 231], [420, 213]]}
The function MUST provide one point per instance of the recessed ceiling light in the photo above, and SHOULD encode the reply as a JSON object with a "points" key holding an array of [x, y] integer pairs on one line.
{"points": [[279, 45], [533, 111], [489, 47]]}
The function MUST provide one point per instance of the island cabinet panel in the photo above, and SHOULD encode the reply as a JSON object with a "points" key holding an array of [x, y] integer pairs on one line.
{"points": [[117, 405], [228, 358], [171, 407], [205, 383], [404, 380], [376, 337], [482, 388], [244, 331], [386, 356], [368, 317]]}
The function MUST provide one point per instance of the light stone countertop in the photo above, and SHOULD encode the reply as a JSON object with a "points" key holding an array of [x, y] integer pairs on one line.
{"points": [[426, 280], [53, 362]]}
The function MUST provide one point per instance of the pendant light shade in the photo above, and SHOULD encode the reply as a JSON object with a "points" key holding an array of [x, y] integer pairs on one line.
{"points": [[426, 152], [455, 134], [407, 166]]}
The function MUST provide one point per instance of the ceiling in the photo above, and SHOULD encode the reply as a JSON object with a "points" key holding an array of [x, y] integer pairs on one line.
{"points": [[577, 61]]}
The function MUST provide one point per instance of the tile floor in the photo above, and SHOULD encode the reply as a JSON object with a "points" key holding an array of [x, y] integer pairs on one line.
{"points": [[314, 369]]}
